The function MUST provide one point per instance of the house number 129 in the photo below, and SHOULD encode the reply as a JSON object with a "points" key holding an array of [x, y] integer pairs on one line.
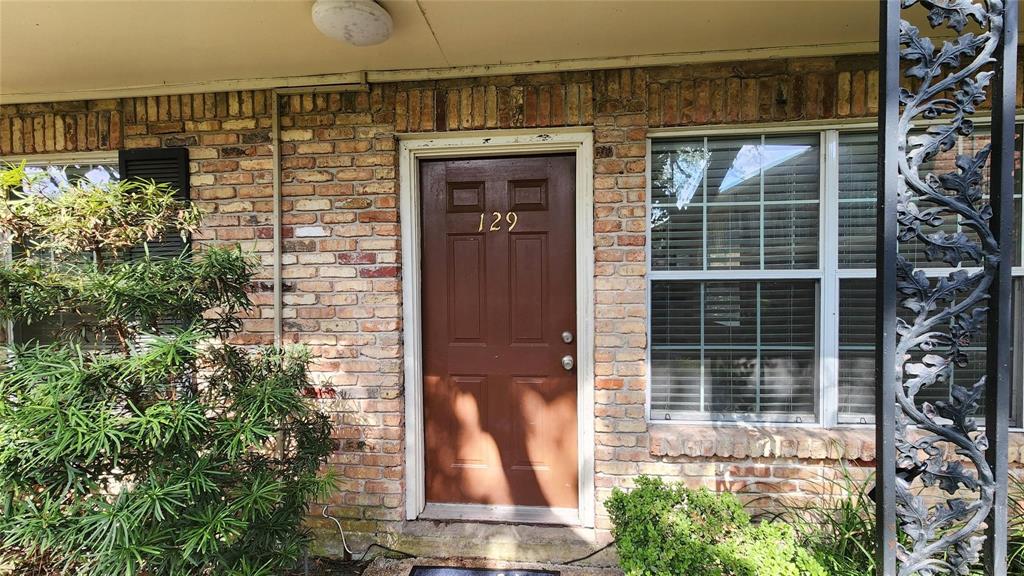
{"points": [[510, 217]]}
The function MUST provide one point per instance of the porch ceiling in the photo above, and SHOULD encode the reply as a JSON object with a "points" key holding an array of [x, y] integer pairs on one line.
{"points": [[56, 49]]}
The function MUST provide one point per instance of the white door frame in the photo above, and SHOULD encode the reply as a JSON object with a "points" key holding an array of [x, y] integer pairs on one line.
{"points": [[413, 147]]}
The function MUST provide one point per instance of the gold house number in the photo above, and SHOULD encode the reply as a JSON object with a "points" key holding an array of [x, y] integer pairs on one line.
{"points": [[495, 226]]}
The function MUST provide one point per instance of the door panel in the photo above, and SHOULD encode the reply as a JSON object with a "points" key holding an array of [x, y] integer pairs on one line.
{"points": [[499, 289]]}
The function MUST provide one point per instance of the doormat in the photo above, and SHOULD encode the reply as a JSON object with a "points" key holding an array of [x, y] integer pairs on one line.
{"points": [[445, 571]]}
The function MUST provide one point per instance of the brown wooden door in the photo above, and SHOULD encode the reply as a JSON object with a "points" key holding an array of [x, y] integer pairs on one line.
{"points": [[499, 288]]}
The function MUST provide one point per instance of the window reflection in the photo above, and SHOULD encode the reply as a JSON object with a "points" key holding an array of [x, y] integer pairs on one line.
{"points": [[682, 173], [50, 180], [751, 160]]}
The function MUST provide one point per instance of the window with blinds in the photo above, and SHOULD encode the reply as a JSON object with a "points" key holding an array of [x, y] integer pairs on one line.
{"points": [[762, 277], [857, 167], [720, 347]]}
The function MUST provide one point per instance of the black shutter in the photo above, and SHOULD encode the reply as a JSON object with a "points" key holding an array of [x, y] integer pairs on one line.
{"points": [[165, 166]]}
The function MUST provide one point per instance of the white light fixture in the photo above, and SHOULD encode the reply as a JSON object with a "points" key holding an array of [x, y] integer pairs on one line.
{"points": [[358, 22]]}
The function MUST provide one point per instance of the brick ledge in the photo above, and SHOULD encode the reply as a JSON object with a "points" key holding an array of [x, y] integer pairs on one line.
{"points": [[766, 441]]}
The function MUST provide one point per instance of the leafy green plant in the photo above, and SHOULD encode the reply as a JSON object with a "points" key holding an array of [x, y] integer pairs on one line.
{"points": [[1015, 552], [139, 442], [839, 531], [663, 528]]}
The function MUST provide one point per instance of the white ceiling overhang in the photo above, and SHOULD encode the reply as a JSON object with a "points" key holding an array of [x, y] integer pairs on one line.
{"points": [[56, 50]]}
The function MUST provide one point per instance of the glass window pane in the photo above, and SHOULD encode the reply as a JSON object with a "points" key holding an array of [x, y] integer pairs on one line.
{"points": [[675, 380], [788, 382], [791, 167], [731, 380], [677, 193], [857, 233], [789, 314], [858, 173], [856, 350], [857, 355], [50, 181], [747, 203], [730, 314], [858, 165], [677, 238], [734, 237], [858, 181], [790, 236], [753, 355], [675, 314], [734, 170]]}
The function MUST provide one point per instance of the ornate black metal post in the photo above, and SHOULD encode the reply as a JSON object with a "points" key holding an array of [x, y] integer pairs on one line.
{"points": [[938, 445], [890, 148], [1000, 316]]}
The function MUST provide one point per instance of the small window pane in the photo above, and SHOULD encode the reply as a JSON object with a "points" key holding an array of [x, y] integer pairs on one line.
{"points": [[753, 355], [677, 195], [675, 314], [730, 314], [791, 167], [786, 314], [790, 236], [677, 238], [731, 380], [856, 350], [734, 237], [50, 180], [676, 381], [734, 172], [857, 233]]}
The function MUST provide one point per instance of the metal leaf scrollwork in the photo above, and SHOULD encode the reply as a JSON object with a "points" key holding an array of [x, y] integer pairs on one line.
{"points": [[942, 316]]}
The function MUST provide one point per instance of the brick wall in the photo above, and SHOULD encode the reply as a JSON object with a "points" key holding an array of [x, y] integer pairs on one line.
{"points": [[343, 284], [231, 174], [341, 248]]}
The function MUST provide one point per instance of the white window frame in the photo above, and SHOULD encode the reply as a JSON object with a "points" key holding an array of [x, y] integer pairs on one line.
{"points": [[101, 157], [828, 274]]}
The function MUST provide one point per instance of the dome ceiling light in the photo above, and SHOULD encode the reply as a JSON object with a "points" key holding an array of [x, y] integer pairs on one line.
{"points": [[358, 22]]}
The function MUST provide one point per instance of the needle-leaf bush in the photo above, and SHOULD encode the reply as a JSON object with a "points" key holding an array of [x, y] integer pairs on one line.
{"points": [[136, 440]]}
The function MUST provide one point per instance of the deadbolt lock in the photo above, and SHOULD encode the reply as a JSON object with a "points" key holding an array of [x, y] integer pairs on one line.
{"points": [[567, 337]]}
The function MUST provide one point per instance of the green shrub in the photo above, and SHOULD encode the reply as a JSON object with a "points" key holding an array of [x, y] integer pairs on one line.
{"points": [[138, 442], [667, 529]]}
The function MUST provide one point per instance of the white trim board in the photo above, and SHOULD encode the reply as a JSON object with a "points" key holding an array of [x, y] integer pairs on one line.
{"points": [[489, 143]]}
